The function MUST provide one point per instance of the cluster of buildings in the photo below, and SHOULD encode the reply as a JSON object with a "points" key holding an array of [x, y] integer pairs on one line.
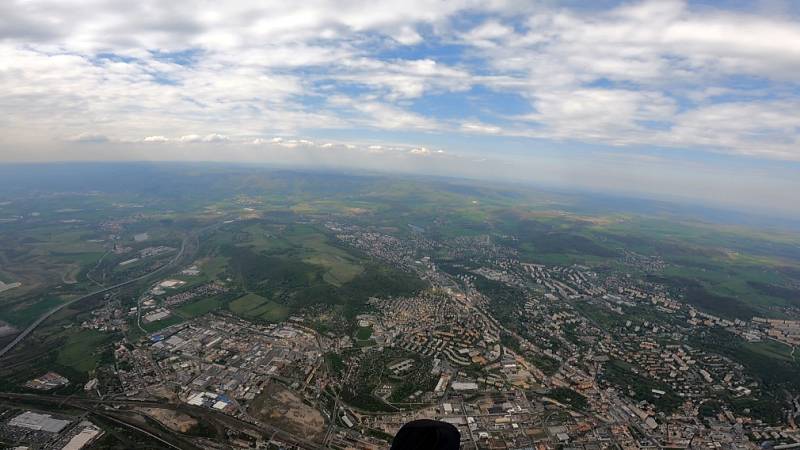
{"points": [[462, 343], [645, 263], [785, 331], [156, 305], [155, 315], [205, 290], [219, 361], [137, 373], [570, 324], [30, 429], [110, 316], [691, 372], [537, 374], [155, 251], [382, 246]]}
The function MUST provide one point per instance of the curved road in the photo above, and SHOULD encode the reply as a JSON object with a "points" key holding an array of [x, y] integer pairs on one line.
{"points": [[58, 308]]}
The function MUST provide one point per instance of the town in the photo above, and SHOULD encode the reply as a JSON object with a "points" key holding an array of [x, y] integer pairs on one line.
{"points": [[514, 354]]}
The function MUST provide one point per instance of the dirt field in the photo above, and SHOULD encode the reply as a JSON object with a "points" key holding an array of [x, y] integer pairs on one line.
{"points": [[280, 407], [70, 275], [173, 420]]}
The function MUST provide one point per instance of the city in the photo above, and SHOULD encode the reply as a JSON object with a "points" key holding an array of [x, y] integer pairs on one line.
{"points": [[514, 354], [402, 225]]}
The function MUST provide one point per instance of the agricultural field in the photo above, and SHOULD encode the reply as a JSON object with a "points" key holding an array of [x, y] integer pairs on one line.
{"points": [[255, 306], [299, 242], [81, 350], [289, 266], [199, 307], [26, 310]]}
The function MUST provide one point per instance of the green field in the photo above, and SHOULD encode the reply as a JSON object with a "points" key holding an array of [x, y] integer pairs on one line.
{"points": [[340, 267], [213, 268], [245, 303], [256, 306], [363, 333], [80, 352], [27, 312], [298, 242], [59, 240], [199, 307], [771, 349]]}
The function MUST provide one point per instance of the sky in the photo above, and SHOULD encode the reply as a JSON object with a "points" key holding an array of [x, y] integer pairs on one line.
{"points": [[673, 99]]}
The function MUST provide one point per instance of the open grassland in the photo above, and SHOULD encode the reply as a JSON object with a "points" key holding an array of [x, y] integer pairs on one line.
{"points": [[63, 244], [23, 313], [48, 259], [199, 307], [246, 303], [272, 312], [298, 242], [213, 267], [256, 306], [313, 247], [262, 238], [771, 349], [81, 350], [340, 267]]}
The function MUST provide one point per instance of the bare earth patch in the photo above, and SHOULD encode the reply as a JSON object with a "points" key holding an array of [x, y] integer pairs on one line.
{"points": [[175, 421], [282, 408]]}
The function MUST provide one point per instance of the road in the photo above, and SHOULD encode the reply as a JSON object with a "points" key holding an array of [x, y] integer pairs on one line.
{"points": [[103, 408], [58, 308], [122, 418]]}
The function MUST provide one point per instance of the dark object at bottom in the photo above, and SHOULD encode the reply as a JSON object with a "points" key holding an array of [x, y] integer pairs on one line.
{"points": [[427, 435]]}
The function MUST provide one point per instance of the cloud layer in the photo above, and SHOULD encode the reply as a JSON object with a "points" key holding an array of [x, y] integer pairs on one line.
{"points": [[658, 73]]}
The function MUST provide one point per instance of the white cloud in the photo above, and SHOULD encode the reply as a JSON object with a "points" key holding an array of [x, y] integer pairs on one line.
{"points": [[424, 151], [753, 128], [657, 72], [93, 138], [407, 35], [191, 138], [215, 138], [480, 128], [208, 138], [403, 79], [601, 114], [637, 74]]}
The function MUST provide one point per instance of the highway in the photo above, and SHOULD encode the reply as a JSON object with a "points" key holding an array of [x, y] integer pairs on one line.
{"points": [[58, 308], [115, 416]]}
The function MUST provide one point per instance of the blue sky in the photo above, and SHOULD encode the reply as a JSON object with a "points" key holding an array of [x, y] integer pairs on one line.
{"points": [[669, 98]]}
